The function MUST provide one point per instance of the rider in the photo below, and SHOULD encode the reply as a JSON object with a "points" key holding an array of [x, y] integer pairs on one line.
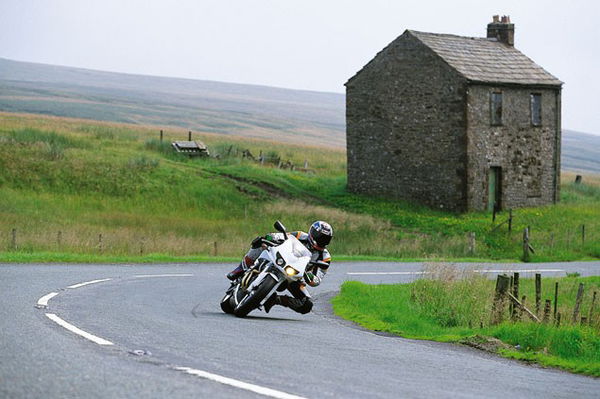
{"points": [[316, 240]]}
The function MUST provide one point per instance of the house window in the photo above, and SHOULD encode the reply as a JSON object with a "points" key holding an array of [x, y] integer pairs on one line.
{"points": [[496, 108], [536, 109]]}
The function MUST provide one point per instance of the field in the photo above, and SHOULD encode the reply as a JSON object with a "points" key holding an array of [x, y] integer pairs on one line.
{"points": [[453, 306], [73, 189]]}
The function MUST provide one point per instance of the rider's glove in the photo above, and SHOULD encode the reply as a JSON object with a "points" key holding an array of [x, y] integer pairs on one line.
{"points": [[311, 279], [257, 242]]}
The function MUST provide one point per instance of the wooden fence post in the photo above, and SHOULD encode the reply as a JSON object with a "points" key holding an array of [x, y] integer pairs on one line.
{"points": [[100, 243], [14, 239], [471, 237], [59, 239], [555, 298], [582, 235], [510, 220], [190, 135], [216, 248], [515, 293], [578, 303], [161, 136], [538, 292], [547, 310], [141, 246], [502, 285], [591, 314], [526, 245]]}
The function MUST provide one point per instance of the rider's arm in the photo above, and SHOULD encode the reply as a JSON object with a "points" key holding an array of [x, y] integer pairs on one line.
{"points": [[321, 270]]}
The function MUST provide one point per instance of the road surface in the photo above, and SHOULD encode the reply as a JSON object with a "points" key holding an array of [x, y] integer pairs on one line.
{"points": [[157, 331]]}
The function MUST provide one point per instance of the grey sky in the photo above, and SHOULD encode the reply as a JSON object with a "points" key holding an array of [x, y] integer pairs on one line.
{"points": [[309, 44]]}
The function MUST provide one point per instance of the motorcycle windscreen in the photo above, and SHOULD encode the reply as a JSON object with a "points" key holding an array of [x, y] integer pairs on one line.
{"points": [[300, 255]]}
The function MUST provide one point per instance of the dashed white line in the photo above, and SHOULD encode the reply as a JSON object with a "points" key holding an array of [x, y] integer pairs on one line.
{"points": [[519, 271], [43, 301], [238, 384], [78, 331], [163, 275], [88, 283]]}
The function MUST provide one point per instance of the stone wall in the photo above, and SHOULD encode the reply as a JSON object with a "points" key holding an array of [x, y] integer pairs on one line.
{"points": [[526, 154], [406, 127]]}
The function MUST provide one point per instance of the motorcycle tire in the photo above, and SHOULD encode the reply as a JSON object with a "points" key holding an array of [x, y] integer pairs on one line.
{"points": [[253, 299], [226, 304]]}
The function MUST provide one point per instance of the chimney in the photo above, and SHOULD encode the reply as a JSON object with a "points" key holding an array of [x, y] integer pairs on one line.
{"points": [[501, 30]]}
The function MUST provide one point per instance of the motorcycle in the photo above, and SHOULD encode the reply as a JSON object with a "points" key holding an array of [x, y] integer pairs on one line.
{"points": [[278, 265]]}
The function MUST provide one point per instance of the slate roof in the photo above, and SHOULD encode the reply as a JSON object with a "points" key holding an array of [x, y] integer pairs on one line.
{"points": [[486, 60]]}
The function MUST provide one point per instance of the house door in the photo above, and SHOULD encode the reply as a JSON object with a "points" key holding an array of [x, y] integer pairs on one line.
{"points": [[494, 189]]}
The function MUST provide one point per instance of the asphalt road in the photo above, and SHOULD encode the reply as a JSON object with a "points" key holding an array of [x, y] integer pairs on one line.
{"points": [[164, 318]]}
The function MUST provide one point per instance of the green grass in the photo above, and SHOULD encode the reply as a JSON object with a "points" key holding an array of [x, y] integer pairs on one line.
{"points": [[85, 179], [450, 307]]}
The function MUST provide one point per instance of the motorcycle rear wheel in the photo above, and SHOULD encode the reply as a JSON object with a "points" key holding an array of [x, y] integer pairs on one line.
{"points": [[253, 298]]}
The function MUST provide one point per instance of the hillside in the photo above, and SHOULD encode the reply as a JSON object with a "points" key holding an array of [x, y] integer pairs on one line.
{"points": [[225, 108], [71, 186], [288, 116], [580, 152]]}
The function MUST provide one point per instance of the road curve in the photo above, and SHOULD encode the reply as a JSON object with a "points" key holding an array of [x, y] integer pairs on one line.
{"points": [[169, 338]]}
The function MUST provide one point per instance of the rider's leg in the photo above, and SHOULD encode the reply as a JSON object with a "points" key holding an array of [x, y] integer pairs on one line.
{"points": [[247, 261], [300, 302]]}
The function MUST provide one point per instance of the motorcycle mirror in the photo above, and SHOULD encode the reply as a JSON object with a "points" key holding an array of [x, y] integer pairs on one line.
{"points": [[281, 228]]}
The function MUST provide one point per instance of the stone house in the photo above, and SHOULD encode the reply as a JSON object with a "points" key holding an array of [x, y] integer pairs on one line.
{"points": [[456, 123]]}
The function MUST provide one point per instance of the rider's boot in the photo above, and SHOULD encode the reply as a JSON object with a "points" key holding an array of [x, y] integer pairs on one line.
{"points": [[272, 301], [238, 271]]}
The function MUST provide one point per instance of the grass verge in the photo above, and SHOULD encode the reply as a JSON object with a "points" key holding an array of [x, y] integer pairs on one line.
{"points": [[458, 310]]}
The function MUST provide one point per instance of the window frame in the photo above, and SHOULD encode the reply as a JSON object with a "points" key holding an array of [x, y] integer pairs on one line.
{"points": [[531, 110], [495, 119]]}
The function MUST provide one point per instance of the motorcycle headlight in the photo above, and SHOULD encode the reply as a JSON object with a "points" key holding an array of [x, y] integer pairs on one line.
{"points": [[291, 271]]}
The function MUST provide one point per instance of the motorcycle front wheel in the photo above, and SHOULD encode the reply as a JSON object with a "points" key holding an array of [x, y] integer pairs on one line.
{"points": [[226, 304], [254, 297]]}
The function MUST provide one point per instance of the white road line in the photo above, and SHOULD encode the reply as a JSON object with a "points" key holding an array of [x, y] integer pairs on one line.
{"points": [[88, 283], [43, 301], [238, 384], [73, 329], [519, 270], [163, 275], [476, 271]]}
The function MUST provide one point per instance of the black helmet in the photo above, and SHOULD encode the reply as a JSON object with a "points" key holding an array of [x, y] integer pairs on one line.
{"points": [[320, 234]]}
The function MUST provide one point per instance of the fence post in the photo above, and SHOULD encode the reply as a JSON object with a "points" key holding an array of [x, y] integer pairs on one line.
{"points": [[142, 246], [555, 298], [190, 135], [216, 248], [591, 314], [538, 292], [161, 136], [578, 303], [471, 237], [14, 239], [582, 235], [515, 294], [510, 219], [547, 310], [502, 285], [59, 239], [526, 244], [100, 243]]}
